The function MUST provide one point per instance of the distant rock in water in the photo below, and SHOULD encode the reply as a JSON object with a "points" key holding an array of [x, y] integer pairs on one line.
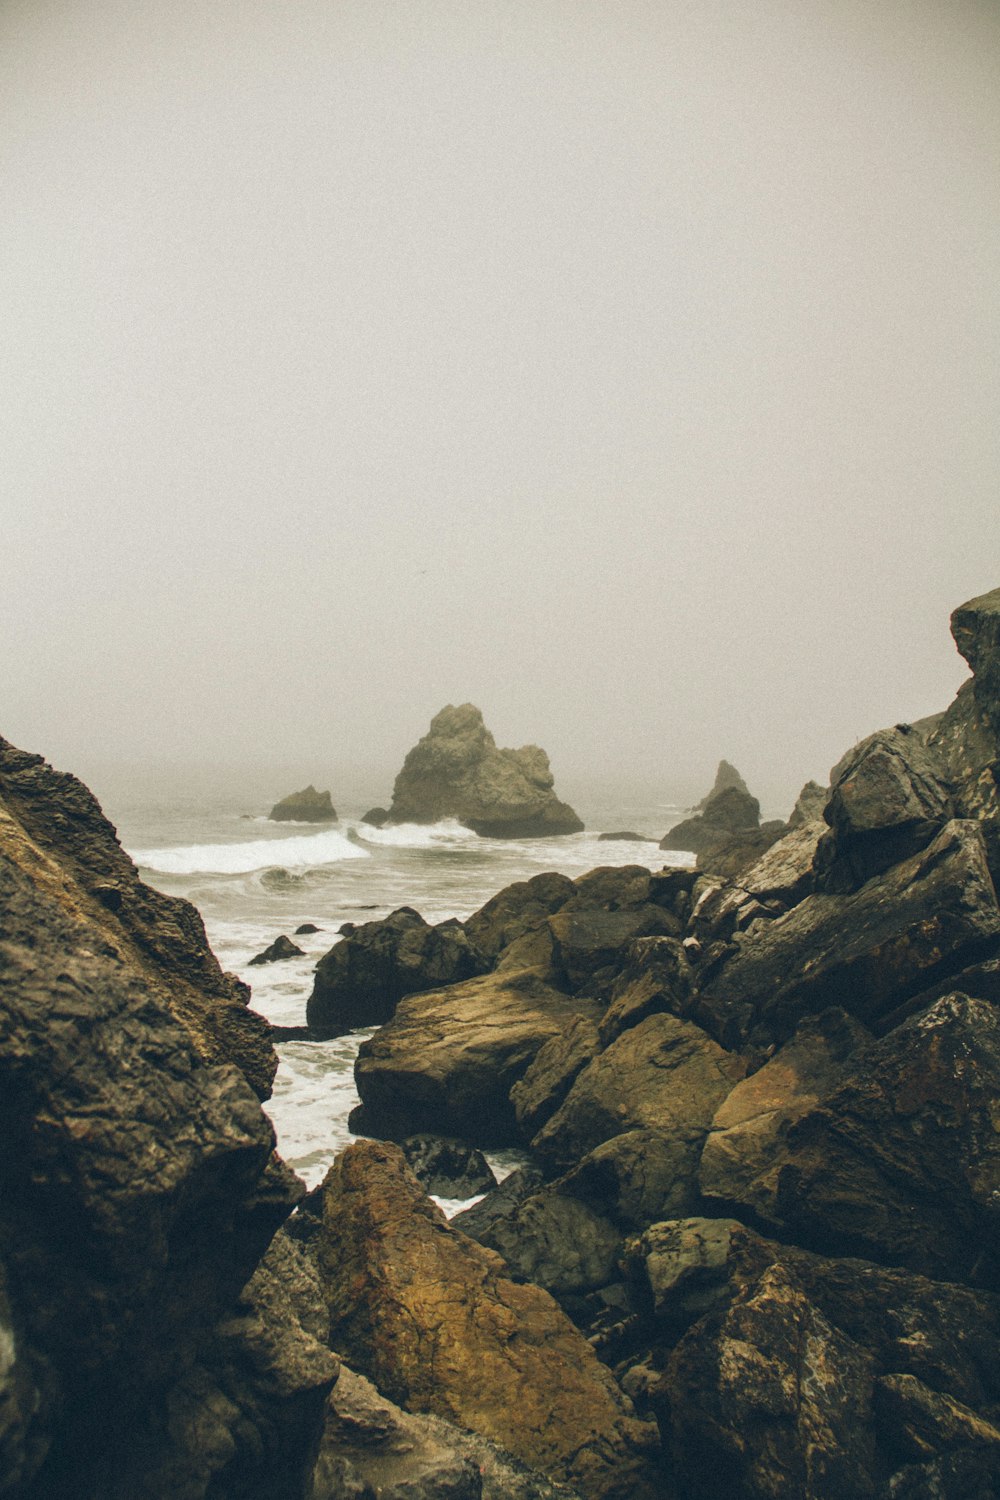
{"points": [[731, 810], [456, 771], [376, 817], [308, 806], [625, 838], [725, 777], [282, 947]]}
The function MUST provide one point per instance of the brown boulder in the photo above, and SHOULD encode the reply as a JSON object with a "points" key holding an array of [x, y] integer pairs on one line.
{"points": [[435, 1321]]}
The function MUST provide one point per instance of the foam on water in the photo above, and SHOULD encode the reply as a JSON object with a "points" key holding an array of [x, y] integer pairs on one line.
{"points": [[417, 835], [298, 853]]}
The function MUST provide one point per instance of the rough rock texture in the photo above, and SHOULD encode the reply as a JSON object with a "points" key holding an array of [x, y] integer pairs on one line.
{"points": [[656, 976], [731, 855], [447, 1061], [551, 1073], [975, 626], [307, 806], [448, 1169], [511, 930], [809, 805], [664, 1074], [53, 828], [281, 948], [456, 771], [360, 981], [434, 1320], [138, 1193], [742, 1158], [867, 951], [724, 813], [776, 882], [519, 1185], [556, 1241]]}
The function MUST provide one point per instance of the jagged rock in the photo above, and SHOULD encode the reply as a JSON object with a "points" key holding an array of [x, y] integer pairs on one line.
{"points": [[307, 806], [138, 1193], [656, 977], [887, 802], [608, 908], [520, 1184], [726, 812], [664, 1075], [52, 826], [551, 1073], [730, 855], [373, 1447], [779, 880], [633, 1179], [516, 912], [809, 805], [742, 1158], [868, 951], [901, 1162], [281, 948], [360, 981], [456, 771], [555, 1241], [447, 1168], [725, 777], [975, 626], [434, 1320], [447, 1061]]}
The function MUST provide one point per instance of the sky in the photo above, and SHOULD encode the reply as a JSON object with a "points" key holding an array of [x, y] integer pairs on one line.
{"points": [[626, 368]]}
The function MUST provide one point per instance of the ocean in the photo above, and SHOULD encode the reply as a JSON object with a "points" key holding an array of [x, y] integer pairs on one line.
{"points": [[253, 880]]}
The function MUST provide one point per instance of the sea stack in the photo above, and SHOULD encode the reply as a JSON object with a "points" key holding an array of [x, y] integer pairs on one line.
{"points": [[307, 806], [457, 771]]}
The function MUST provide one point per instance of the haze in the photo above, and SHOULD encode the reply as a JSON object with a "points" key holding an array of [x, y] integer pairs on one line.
{"points": [[629, 369]]}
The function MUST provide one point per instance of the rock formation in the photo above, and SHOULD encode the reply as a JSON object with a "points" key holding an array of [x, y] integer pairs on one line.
{"points": [[307, 806], [728, 809], [456, 771]]}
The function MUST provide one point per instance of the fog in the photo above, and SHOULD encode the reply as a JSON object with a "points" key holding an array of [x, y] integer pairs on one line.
{"points": [[628, 369]]}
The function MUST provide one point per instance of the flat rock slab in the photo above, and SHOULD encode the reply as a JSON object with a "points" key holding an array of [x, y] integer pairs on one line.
{"points": [[448, 1060], [435, 1321]]}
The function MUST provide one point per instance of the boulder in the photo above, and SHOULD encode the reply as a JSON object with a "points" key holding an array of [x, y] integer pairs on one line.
{"points": [[776, 882], [551, 1073], [515, 912], [307, 806], [867, 951], [447, 1168], [901, 1162], [887, 802], [305, 928], [360, 981], [520, 1184], [976, 630], [282, 947], [664, 1075], [52, 826], [555, 1241], [447, 1061], [435, 1321], [625, 838], [655, 977], [376, 817], [743, 1153], [457, 771], [725, 812], [634, 1179], [138, 1196]]}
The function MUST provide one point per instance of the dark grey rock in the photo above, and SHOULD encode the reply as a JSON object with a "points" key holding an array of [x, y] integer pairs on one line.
{"points": [[307, 806], [281, 948]]}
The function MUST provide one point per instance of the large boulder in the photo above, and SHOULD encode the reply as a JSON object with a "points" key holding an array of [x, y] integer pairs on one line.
{"points": [[52, 826], [665, 1075], [447, 1061], [307, 806], [725, 812], [435, 1321], [867, 951], [138, 1196], [457, 771], [360, 981], [516, 912]]}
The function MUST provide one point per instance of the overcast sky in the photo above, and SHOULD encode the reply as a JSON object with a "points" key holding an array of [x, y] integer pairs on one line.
{"points": [[627, 368]]}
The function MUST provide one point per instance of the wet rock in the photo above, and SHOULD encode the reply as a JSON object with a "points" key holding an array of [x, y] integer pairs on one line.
{"points": [[447, 1061], [634, 1179], [741, 1162], [447, 1168], [551, 1073], [52, 826], [656, 977], [456, 771], [517, 911], [520, 1184], [360, 981], [664, 1075], [376, 817], [867, 952], [307, 806], [556, 1241], [610, 907], [626, 838], [282, 947], [679, 1269], [435, 1321]]}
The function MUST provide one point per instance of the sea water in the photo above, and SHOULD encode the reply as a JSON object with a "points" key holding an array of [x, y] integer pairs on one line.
{"points": [[253, 880]]}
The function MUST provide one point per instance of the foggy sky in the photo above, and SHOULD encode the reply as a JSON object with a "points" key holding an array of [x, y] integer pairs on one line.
{"points": [[629, 369]]}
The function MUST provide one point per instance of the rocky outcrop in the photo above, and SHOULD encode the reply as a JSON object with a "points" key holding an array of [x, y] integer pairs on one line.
{"points": [[727, 811], [448, 1168], [457, 771], [275, 952], [436, 1322], [52, 828], [725, 777], [360, 981], [307, 806], [153, 1344]]}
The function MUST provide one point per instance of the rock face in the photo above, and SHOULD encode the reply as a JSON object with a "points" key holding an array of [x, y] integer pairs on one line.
{"points": [[727, 810], [456, 771], [152, 1346], [52, 827], [435, 1321], [725, 777], [360, 981], [307, 806]]}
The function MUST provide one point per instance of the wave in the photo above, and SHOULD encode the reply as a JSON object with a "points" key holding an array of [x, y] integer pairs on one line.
{"points": [[417, 835], [259, 854]]}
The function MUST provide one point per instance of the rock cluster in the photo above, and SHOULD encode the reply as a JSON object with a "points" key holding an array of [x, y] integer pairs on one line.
{"points": [[457, 771], [761, 1108], [307, 806]]}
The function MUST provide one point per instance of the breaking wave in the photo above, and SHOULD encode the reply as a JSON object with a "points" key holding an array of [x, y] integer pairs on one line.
{"points": [[260, 854]]}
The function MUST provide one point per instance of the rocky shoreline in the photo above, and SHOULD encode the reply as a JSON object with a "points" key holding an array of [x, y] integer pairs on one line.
{"points": [[756, 1254]]}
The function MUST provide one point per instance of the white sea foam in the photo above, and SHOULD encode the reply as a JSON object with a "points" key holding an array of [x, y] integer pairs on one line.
{"points": [[418, 835], [259, 854]]}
